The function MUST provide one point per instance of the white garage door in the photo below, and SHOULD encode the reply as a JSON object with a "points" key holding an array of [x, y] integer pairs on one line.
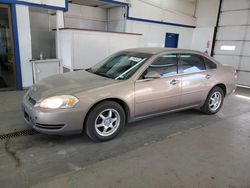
{"points": [[232, 44]]}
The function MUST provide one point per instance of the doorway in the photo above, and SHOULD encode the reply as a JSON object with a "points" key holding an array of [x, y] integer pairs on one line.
{"points": [[171, 40], [7, 56]]}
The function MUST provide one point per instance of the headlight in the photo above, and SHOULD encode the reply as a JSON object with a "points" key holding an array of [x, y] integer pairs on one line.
{"points": [[63, 101]]}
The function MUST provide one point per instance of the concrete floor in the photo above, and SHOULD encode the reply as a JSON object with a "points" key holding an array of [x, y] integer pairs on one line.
{"points": [[185, 149]]}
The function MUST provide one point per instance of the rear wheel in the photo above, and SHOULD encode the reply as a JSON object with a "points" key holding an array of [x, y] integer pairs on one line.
{"points": [[105, 121], [214, 101]]}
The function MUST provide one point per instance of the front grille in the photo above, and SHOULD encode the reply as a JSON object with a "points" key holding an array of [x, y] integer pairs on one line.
{"points": [[32, 101], [51, 127]]}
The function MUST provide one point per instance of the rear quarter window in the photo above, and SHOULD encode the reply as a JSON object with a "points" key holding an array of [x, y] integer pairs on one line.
{"points": [[209, 64]]}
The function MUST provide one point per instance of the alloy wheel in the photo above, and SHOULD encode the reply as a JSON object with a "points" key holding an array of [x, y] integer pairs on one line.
{"points": [[215, 101], [107, 122]]}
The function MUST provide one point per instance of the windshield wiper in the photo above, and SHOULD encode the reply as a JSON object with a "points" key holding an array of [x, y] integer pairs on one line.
{"points": [[89, 70], [99, 73], [103, 74]]}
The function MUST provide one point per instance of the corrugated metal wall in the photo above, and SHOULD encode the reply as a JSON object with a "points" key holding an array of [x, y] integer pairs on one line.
{"points": [[232, 44]]}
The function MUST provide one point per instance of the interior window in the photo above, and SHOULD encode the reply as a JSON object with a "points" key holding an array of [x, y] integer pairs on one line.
{"points": [[191, 63], [166, 65], [210, 64]]}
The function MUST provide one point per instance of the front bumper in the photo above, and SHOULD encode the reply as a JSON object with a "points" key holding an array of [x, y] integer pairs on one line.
{"points": [[51, 121]]}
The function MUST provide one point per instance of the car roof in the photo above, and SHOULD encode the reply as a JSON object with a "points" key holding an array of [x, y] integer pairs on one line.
{"points": [[156, 50]]}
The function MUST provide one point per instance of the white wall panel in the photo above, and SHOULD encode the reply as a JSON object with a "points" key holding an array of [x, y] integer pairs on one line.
{"points": [[234, 30], [86, 11], [244, 78], [206, 18], [245, 64], [66, 49], [246, 49], [206, 13], [248, 33], [79, 16], [82, 49], [231, 33], [237, 44], [86, 46], [116, 19], [24, 36], [228, 59], [160, 11], [85, 24], [233, 18], [153, 35], [203, 39], [234, 5], [185, 7], [56, 3]]}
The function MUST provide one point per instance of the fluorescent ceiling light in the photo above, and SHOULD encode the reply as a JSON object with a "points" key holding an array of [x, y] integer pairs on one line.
{"points": [[243, 97], [227, 47]]}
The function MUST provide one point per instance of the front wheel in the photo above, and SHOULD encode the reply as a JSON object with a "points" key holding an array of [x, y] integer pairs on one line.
{"points": [[214, 101], [105, 121]]}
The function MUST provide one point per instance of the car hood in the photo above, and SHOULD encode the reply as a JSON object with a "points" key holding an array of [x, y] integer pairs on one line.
{"points": [[68, 84]]}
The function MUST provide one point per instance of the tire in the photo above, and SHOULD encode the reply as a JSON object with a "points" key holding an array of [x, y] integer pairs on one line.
{"points": [[105, 121], [208, 107]]}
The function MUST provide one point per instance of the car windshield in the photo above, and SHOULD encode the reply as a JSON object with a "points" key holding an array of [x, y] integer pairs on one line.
{"points": [[120, 66]]}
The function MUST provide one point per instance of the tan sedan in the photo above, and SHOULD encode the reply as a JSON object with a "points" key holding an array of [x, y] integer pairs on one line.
{"points": [[127, 86]]}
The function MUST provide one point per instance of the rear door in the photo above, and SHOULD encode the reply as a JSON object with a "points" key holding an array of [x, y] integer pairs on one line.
{"points": [[160, 94], [196, 78]]}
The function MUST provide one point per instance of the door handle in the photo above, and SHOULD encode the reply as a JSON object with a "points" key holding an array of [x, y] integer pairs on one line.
{"points": [[208, 76], [174, 82]]}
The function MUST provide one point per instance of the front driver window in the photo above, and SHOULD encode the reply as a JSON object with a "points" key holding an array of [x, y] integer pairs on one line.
{"points": [[165, 65]]}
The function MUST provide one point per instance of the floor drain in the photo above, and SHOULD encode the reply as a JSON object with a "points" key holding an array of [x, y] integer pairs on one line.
{"points": [[18, 133]]}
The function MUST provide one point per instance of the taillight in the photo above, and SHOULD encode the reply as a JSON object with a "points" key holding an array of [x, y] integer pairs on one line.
{"points": [[235, 72]]}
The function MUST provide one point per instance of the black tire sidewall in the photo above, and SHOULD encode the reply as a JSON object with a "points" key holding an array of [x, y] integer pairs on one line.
{"points": [[95, 111]]}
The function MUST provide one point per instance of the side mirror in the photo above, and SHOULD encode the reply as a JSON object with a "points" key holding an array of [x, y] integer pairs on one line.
{"points": [[152, 75]]}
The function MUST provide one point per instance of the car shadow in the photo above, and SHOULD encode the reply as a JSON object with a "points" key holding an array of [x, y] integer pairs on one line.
{"points": [[168, 117], [171, 119]]}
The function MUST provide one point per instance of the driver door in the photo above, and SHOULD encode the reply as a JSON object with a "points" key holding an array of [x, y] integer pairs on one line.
{"points": [[154, 95]]}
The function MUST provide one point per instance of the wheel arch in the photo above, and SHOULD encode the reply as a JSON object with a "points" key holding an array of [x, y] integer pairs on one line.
{"points": [[220, 85], [204, 107], [223, 87], [117, 100]]}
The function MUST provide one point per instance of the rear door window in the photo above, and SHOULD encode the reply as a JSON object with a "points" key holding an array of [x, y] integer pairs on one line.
{"points": [[165, 65], [191, 63]]}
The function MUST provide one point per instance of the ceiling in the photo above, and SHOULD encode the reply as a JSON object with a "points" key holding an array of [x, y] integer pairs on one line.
{"points": [[93, 3]]}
